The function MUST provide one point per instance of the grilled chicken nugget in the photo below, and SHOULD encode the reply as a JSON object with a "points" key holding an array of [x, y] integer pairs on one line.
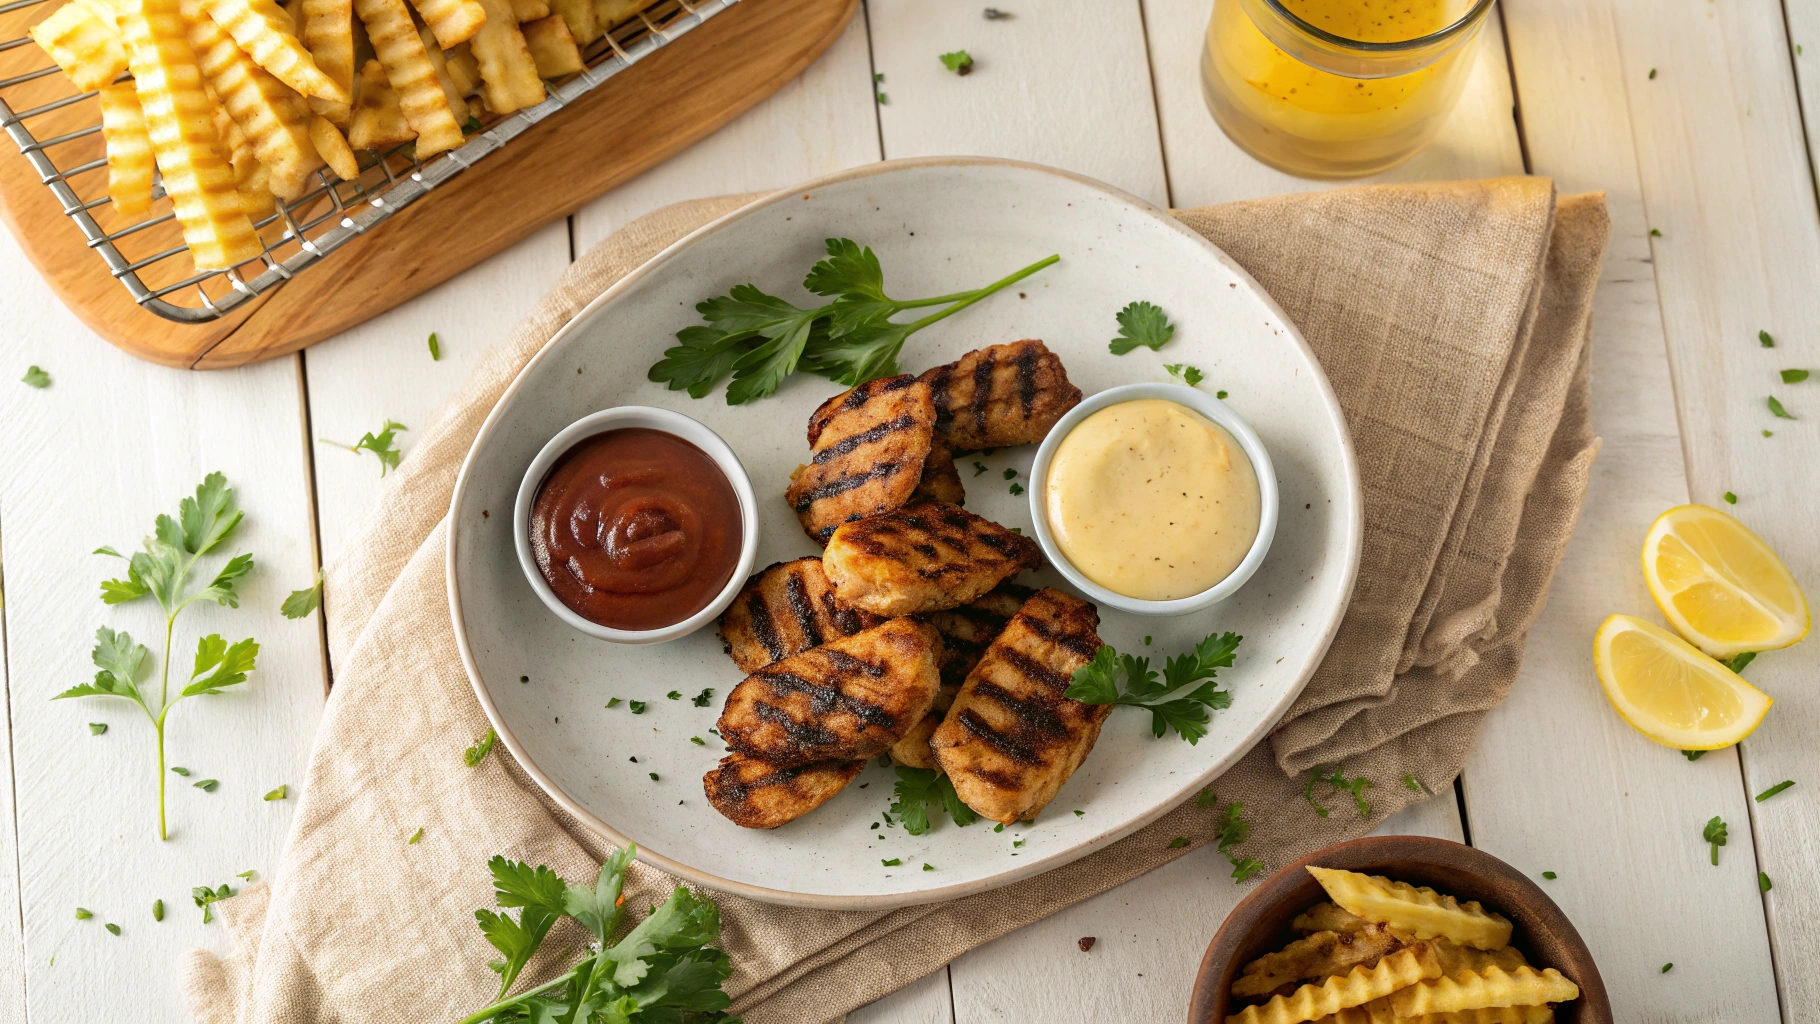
{"points": [[966, 632], [1011, 739], [848, 699], [870, 445], [941, 481], [923, 558], [784, 609], [1001, 395], [758, 794]]}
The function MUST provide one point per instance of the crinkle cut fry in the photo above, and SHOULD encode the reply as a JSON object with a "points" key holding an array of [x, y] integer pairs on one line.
{"points": [[1399, 970], [129, 151], [1456, 959], [508, 72], [180, 119], [1320, 955], [84, 46], [1487, 1015], [1326, 917], [328, 33], [274, 116], [1491, 987], [264, 31], [1423, 912], [451, 21], [407, 67]]}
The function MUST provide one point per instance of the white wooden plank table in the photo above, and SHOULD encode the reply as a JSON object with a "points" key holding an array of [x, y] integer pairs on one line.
{"points": [[1712, 152]]}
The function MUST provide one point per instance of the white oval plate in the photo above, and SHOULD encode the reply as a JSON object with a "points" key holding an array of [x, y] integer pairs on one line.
{"points": [[938, 226]]}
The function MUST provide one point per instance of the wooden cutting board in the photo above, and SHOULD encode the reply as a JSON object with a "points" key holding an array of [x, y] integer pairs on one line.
{"points": [[623, 127]]}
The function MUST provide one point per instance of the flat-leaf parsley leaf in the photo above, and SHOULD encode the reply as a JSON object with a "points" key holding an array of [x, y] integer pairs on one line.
{"points": [[760, 339], [917, 789], [1141, 323], [1183, 699]]}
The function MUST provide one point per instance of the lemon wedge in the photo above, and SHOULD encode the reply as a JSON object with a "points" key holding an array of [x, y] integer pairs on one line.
{"points": [[1671, 692], [1720, 585]]}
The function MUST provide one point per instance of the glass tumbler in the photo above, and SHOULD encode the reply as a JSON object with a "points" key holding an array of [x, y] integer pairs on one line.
{"points": [[1337, 88]]}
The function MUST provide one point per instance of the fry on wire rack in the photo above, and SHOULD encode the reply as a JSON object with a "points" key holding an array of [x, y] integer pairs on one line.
{"points": [[82, 44], [453, 21], [413, 78], [129, 151], [508, 74], [327, 31], [179, 117], [552, 47], [378, 119], [273, 116], [1420, 911], [334, 148], [266, 33]]}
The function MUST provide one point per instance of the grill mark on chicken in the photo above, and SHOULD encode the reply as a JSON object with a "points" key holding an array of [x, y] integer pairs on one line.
{"points": [[1001, 395], [1026, 379], [982, 386], [786, 608], [922, 558], [824, 699], [869, 449], [1081, 645], [848, 663], [757, 794], [762, 627], [802, 734], [864, 437], [852, 697], [1012, 736], [804, 612], [842, 485], [1010, 746]]}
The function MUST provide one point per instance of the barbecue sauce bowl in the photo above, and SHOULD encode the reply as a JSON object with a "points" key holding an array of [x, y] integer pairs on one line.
{"points": [[636, 525]]}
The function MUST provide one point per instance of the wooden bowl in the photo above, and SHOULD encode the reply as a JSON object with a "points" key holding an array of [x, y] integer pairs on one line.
{"points": [[1260, 923]]}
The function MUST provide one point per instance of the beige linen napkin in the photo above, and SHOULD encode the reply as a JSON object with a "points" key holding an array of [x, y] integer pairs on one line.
{"points": [[1452, 319]]}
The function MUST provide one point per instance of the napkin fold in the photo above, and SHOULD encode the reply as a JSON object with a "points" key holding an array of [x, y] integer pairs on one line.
{"points": [[1452, 320]]}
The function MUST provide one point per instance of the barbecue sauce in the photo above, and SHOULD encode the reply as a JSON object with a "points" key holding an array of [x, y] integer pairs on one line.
{"points": [[636, 529]]}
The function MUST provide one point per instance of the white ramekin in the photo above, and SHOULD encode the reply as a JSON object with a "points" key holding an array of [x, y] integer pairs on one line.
{"points": [[1208, 406], [621, 418]]}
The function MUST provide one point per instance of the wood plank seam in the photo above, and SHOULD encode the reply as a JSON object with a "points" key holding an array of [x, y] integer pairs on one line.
{"points": [[15, 911]]}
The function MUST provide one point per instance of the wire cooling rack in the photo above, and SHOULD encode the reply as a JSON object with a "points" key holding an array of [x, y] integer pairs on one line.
{"points": [[148, 257]]}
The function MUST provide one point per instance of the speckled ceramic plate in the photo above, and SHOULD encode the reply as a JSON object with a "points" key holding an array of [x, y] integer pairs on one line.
{"points": [[938, 227]]}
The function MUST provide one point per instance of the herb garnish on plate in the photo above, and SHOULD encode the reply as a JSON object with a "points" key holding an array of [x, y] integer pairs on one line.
{"points": [[760, 339], [1183, 699]]}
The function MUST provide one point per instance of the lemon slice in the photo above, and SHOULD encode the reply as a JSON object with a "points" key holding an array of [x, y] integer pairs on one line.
{"points": [[1669, 691], [1720, 585]]}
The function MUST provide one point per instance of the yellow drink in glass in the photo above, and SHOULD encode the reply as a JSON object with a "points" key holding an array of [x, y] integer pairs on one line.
{"points": [[1337, 88]]}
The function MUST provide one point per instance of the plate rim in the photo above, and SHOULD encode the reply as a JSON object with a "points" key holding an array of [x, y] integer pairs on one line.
{"points": [[1355, 529]]}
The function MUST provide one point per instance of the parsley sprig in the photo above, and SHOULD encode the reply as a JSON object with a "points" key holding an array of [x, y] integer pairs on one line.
{"points": [[917, 790], [760, 339], [380, 444], [163, 569], [663, 969], [1183, 699]]}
